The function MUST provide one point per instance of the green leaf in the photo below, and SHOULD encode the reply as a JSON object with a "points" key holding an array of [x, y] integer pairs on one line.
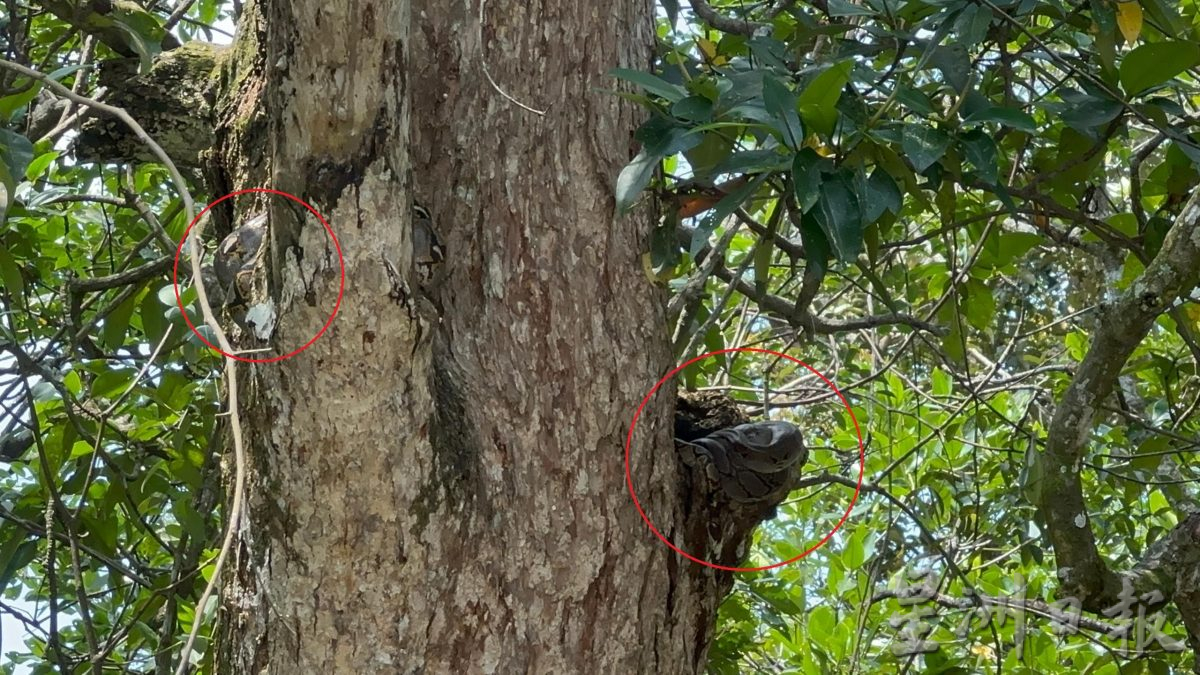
{"points": [[151, 312], [980, 151], [111, 383], [10, 274], [80, 449], [818, 101], [14, 102], [38, 166], [15, 555], [142, 30], [1013, 245], [943, 384], [806, 178], [880, 194], [839, 215], [116, 324], [979, 304], [924, 145], [671, 7], [1152, 64], [72, 382], [651, 83], [762, 263], [634, 178], [847, 8], [753, 161], [693, 109], [10, 104], [16, 152], [781, 103], [1009, 117], [1086, 112], [954, 64], [1032, 475], [1165, 15], [972, 25], [664, 137]]}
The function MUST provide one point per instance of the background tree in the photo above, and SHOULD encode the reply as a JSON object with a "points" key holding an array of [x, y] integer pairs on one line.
{"points": [[977, 218]]}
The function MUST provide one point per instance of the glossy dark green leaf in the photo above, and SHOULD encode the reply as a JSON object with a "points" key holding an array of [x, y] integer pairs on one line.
{"points": [[1165, 16], [806, 178], [980, 151], [671, 8], [1085, 112], [1009, 117], [954, 63], [651, 83], [972, 25], [15, 554], [914, 99], [663, 137], [880, 194], [839, 215], [769, 52], [841, 8], [924, 145], [693, 109], [817, 249], [142, 34], [780, 102]]}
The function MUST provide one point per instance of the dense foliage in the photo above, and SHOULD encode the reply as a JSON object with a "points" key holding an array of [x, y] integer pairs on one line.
{"points": [[108, 504], [929, 201]]}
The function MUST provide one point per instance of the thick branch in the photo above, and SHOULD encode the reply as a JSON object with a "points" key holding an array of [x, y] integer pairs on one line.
{"points": [[724, 23], [1122, 326], [129, 276]]}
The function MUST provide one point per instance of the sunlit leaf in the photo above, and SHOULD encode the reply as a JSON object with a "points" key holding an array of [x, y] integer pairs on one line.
{"points": [[1153, 64]]}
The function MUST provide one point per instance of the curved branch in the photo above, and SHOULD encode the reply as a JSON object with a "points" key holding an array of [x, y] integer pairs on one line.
{"points": [[1121, 328], [724, 23]]}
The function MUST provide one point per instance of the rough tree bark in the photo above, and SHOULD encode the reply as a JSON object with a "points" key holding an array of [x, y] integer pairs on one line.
{"points": [[446, 493]]}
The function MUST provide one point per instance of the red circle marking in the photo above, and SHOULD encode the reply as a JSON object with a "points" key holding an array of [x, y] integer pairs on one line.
{"points": [[341, 282], [638, 505]]}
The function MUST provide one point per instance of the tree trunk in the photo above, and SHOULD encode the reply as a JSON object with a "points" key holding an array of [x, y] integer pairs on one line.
{"points": [[438, 485]]}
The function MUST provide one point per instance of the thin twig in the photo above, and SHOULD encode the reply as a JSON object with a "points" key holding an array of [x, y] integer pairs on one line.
{"points": [[488, 74]]}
